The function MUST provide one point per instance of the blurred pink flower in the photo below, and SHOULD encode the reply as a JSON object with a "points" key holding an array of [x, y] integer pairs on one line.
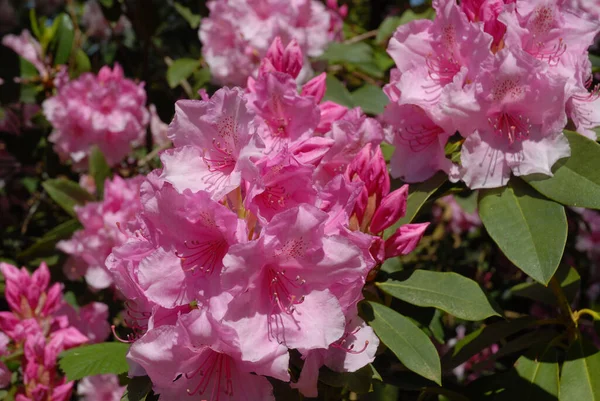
{"points": [[100, 388]]}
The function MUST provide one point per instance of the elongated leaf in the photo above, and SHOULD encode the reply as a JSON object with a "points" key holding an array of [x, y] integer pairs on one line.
{"points": [[576, 180], [64, 40], [181, 69], [188, 15], [450, 292], [412, 347], [370, 98], [46, 245], [417, 196], [568, 278], [530, 230], [354, 53], [96, 359], [67, 194], [99, 170], [580, 380], [337, 92], [542, 374], [482, 338]]}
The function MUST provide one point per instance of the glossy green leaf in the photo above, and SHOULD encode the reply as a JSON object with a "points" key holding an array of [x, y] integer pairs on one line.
{"points": [[576, 180], [180, 70], [412, 347], [580, 378], [450, 292], [370, 98], [46, 245], [353, 53], [64, 37], [33, 22], [99, 170], [541, 375], [82, 64], [96, 359], [568, 278], [530, 229], [337, 92], [137, 389], [67, 194], [188, 15], [418, 194]]}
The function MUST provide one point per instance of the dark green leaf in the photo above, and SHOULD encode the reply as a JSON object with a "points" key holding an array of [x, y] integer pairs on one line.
{"points": [[190, 17], [82, 64], [337, 92], [47, 243], [35, 27], [359, 382], [417, 196], [567, 277], [99, 170], [64, 40], [541, 375], [530, 230], [96, 359], [137, 389], [353, 53], [412, 347], [180, 70], [370, 98], [67, 194], [580, 380], [390, 24], [576, 180], [450, 292]]}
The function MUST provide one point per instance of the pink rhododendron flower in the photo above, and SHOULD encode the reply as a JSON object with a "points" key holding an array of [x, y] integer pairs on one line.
{"points": [[106, 110], [158, 128], [28, 48], [237, 33], [5, 373], [459, 220], [100, 388], [96, 24], [104, 226], [255, 238]]}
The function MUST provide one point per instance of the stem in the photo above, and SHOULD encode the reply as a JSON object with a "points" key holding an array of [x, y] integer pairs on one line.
{"points": [[361, 37], [565, 308], [595, 315]]}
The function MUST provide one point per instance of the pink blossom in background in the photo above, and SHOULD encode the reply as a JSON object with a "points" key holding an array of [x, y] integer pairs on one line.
{"points": [[257, 237], [17, 117], [478, 69], [28, 48], [107, 110], [104, 226], [100, 388], [97, 26], [158, 128], [237, 33], [459, 220]]}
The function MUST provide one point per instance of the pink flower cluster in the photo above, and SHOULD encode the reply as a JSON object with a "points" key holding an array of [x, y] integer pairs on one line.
{"points": [[237, 33], [107, 110], [38, 327], [257, 237], [507, 75], [104, 227], [458, 219]]}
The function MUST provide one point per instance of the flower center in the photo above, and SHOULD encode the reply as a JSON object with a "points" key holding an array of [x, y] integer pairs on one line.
{"points": [[202, 256], [215, 368], [510, 126], [419, 137], [219, 158]]}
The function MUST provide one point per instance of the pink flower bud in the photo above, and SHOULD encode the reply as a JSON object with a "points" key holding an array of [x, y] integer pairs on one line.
{"points": [[315, 87], [288, 60], [405, 240], [330, 112], [392, 207]]}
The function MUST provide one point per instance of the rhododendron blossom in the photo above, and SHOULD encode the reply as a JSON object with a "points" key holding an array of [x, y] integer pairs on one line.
{"points": [[107, 110], [505, 75], [104, 226], [237, 33], [256, 237]]}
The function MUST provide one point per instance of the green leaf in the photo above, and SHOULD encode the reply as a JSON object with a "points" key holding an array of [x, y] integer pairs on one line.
{"points": [[412, 347], [530, 229], [96, 359], [576, 180], [64, 40], [180, 70], [450, 292], [82, 64], [353, 53], [190, 17], [370, 98], [337, 92], [360, 381], [568, 278], [33, 21], [46, 245], [475, 342], [67, 194], [539, 374], [137, 389], [580, 380], [417, 196], [99, 170]]}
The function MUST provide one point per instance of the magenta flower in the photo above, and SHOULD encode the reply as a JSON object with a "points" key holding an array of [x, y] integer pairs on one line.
{"points": [[100, 388], [28, 48], [106, 110]]}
